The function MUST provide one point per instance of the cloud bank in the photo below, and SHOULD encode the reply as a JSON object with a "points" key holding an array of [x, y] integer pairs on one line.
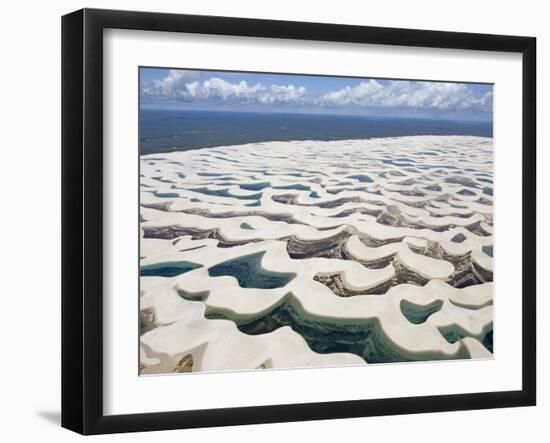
{"points": [[410, 95], [177, 87], [187, 87]]}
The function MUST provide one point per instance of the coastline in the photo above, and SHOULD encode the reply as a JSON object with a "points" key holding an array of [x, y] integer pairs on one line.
{"points": [[311, 140]]}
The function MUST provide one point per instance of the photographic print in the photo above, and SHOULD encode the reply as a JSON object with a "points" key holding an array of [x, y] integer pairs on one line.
{"points": [[297, 221]]}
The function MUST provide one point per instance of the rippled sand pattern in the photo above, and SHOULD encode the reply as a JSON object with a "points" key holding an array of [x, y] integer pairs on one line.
{"points": [[309, 253]]}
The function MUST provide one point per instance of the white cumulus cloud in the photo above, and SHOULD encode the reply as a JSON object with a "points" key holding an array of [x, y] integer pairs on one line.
{"points": [[177, 87], [190, 86], [409, 95], [171, 84]]}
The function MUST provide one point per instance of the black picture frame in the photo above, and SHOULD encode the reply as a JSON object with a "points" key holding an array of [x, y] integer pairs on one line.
{"points": [[82, 217]]}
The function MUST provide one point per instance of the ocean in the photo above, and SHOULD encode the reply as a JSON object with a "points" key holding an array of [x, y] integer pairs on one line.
{"points": [[175, 130]]}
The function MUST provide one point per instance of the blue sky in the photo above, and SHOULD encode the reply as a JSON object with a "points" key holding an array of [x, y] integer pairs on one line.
{"points": [[254, 92]]}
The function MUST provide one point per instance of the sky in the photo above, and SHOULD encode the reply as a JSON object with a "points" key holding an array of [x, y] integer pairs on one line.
{"points": [[256, 92]]}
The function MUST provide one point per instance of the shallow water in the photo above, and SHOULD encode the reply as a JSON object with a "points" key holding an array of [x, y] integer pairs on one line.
{"points": [[168, 269], [249, 273]]}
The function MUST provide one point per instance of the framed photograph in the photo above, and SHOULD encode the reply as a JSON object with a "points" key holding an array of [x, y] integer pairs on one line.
{"points": [[269, 221]]}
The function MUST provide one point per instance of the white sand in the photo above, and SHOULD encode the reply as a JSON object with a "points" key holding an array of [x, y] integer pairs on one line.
{"points": [[428, 218]]}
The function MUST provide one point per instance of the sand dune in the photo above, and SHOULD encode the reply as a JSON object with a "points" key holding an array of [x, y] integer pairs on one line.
{"points": [[310, 253]]}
